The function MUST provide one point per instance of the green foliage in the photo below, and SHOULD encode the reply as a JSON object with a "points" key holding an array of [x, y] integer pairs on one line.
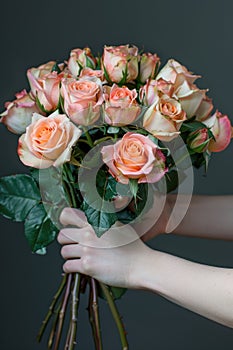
{"points": [[100, 220], [39, 229], [18, 195], [20, 200]]}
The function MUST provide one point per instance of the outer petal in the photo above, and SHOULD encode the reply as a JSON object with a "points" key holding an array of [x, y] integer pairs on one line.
{"points": [[222, 137], [28, 158]]}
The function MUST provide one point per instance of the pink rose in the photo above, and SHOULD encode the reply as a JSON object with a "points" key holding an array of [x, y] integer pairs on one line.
{"points": [[18, 113], [220, 126], [189, 95], [45, 85], [164, 118], [121, 107], [79, 59], [135, 156], [148, 65], [82, 99], [121, 63], [88, 72], [198, 140], [48, 141]]}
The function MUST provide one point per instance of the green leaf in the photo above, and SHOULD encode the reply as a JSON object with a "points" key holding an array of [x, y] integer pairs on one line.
{"points": [[101, 221], [117, 292], [39, 229], [124, 76], [113, 130], [106, 75], [89, 62], [18, 195], [56, 68]]}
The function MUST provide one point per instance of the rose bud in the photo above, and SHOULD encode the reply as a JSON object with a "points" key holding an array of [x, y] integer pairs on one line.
{"points": [[48, 141], [198, 140], [121, 107], [79, 59], [18, 113], [120, 63], [135, 156], [148, 66]]}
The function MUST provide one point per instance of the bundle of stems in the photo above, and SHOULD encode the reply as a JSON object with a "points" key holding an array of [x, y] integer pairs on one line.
{"points": [[68, 297]]}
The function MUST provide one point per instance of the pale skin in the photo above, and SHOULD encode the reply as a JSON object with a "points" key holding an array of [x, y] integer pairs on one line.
{"points": [[128, 262]]}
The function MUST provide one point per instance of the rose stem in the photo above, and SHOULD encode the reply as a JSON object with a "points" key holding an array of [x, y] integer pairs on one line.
{"points": [[94, 315], [51, 308], [68, 338], [62, 311], [74, 310], [88, 137], [54, 326], [116, 316]]}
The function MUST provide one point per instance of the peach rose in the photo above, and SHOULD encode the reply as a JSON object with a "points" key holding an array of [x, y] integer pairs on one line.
{"points": [[121, 107], [48, 141], [18, 114], [79, 59], [148, 65], [45, 85], [82, 99], [119, 60], [135, 156], [164, 118], [220, 126], [153, 89], [189, 95]]}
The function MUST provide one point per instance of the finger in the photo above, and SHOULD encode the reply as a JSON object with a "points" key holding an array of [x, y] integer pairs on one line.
{"points": [[72, 251], [75, 235], [72, 266], [74, 217]]}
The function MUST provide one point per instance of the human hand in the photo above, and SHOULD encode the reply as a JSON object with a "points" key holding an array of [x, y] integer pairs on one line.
{"points": [[117, 258]]}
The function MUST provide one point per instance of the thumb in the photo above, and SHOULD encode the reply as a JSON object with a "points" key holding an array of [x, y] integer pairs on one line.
{"points": [[73, 217]]}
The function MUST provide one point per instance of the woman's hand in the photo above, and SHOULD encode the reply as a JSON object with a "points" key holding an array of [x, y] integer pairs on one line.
{"points": [[116, 258]]}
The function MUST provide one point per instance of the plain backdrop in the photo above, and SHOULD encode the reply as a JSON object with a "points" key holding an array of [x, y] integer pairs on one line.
{"points": [[196, 33]]}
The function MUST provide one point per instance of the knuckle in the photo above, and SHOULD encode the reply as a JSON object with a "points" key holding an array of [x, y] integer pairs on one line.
{"points": [[87, 264]]}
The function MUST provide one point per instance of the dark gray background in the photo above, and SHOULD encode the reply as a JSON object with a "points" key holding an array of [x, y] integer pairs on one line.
{"points": [[196, 33]]}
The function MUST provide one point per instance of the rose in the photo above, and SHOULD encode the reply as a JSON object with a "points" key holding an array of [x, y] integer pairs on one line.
{"points": [[121, 107], [164, 118], [148, 66], [48, 141], [18, 113], [153, 89], [45, 85], [220, 126], [82, 99], [79, 59], [198, 140], [120, 63], [88, 72], [135, 156], [189, 95]]}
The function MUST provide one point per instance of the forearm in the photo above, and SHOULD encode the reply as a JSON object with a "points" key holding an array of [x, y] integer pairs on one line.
{"points": [[207, 217], [203, 289]]}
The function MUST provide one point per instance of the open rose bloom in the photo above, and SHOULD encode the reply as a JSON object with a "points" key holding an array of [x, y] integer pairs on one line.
{"points": [[103, 131]]}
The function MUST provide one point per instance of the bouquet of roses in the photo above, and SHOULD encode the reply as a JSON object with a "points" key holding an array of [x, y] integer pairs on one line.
{"points": [[102, 134]]}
